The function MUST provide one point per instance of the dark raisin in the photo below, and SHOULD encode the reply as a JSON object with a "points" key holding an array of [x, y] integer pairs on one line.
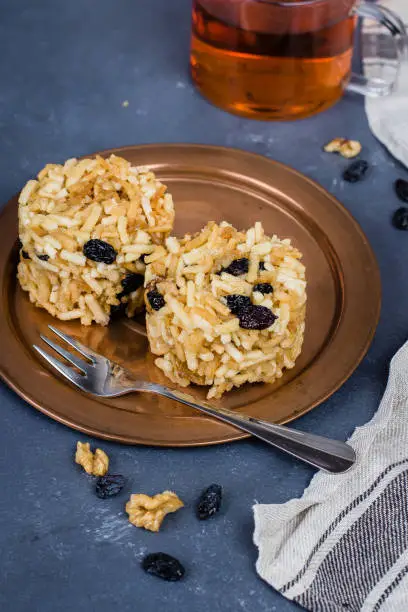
{"points": [[400, 218], [109, 485], [209, 502], [163, 566], [256, 317], [355, 171], [19, 244], [264, 288], [262, 265], [43, 257], [25, 255], [142, 258], [237, 302], [237, 267], [118, 311], [401, 189], [131, 283], [156, 299], [100, 251]]}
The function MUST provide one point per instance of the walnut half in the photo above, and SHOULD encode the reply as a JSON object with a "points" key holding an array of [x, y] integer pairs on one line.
{"points": [[96, 464], [346, 148], [149, 512]]}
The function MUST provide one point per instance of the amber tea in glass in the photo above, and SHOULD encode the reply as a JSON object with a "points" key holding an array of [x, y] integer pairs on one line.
{"points": [[278, 60]]}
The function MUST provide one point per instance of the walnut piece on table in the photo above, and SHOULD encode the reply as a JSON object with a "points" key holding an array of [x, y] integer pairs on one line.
{"points": [[346, 148], [95, 464], [149, 512], [100, 463]]}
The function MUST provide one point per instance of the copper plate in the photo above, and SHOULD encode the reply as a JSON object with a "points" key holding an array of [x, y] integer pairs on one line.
{"points": [[210, 183]]}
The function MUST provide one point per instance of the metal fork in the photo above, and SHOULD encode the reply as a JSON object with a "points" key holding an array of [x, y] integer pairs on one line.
{"points": [[101, 377]]}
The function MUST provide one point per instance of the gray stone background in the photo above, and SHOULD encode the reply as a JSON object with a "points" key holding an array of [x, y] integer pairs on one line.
{"points": [[66, 68]]}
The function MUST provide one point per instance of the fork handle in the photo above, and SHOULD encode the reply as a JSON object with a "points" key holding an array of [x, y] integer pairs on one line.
{"points": [[329, 455]]}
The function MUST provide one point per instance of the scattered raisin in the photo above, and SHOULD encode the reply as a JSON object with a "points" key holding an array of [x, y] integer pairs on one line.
{"points": [[401, 189], [131, 282], [156, 299], [400, 218], [142, 258], [256, 317], [356, 171], [109, 485], [237, 267], [25, 255], [264, 288], [43, 257], [163, 566], [118, 311], [237, 302], [262, 265], [100, 251], [209, 502]]}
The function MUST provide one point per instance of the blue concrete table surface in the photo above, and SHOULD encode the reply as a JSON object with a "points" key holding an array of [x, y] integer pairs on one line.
{"points": [[66, 69]]}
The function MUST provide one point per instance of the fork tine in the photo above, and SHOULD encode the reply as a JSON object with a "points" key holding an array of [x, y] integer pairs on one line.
{"points": [[76, 361], [66, 371], [86, 352]]}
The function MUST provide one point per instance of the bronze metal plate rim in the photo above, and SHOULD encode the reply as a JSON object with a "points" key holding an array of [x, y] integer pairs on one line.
{"points": [[239, 182]]}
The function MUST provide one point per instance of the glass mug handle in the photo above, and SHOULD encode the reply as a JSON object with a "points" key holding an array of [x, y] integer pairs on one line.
{"points": [[383, 69]]}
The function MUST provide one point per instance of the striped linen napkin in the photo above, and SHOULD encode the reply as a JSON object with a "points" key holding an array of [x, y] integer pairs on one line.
{"points": [[343, 546], [387, 116]]}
